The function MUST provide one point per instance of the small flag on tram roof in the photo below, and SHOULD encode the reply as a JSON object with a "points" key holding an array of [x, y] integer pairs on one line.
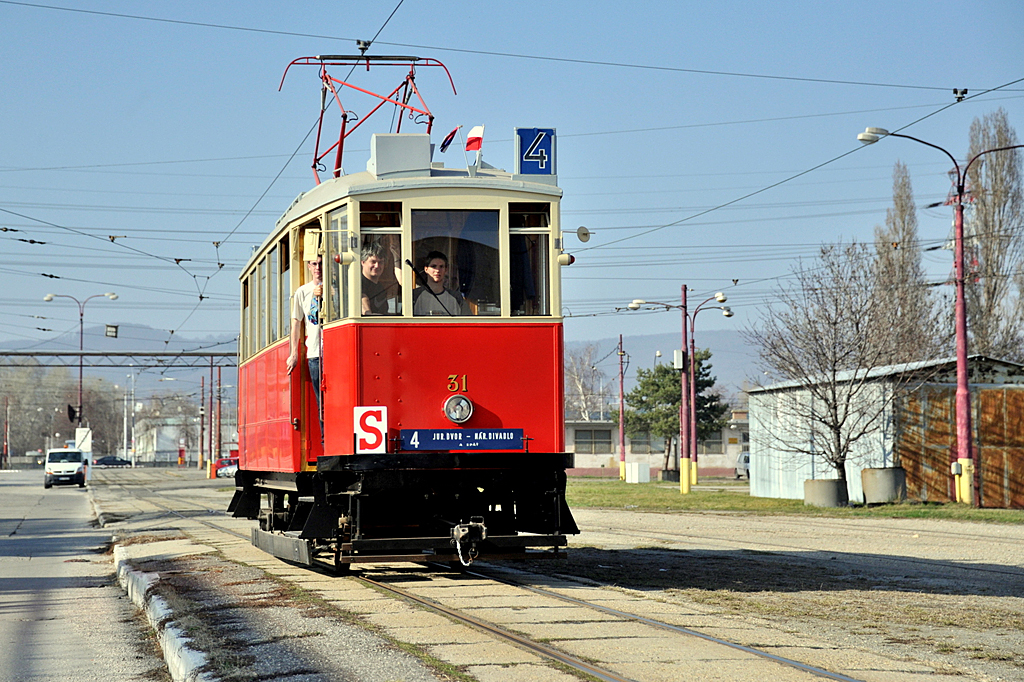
{"points": [[475, 140], [448, 139]]}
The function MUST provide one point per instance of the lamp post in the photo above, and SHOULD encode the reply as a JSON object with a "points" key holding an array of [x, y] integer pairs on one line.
{"points": [[81, 336], [727, 312], [964, 446], [687, 380]]}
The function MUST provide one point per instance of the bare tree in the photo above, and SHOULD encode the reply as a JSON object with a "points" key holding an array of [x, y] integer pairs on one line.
{"points": [[994, 239], [585, 389], [821, 334], [903, 296]]}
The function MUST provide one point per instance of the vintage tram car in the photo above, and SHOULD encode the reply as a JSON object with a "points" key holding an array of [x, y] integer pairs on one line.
{"points": [[443, 432]]}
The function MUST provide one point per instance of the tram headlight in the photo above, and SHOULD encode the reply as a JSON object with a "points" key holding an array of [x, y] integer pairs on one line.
{"points": [[458, 409]]}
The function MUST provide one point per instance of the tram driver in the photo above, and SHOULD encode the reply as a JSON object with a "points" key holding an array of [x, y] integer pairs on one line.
{"points": [[434, 298]]}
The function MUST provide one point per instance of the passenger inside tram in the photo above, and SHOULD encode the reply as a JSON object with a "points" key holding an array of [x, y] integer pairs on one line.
{"points": [[381, 293]]}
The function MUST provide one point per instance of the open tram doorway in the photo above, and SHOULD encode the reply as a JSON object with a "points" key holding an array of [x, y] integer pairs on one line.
{"points": [[308, 312]]}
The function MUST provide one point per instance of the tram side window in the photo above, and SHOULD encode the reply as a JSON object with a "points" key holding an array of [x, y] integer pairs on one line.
{"points": [[273, 288], [334, 274], [529, 258], [469, 240], [284, 289], [380, 266], [260, 310], [243, 346]]}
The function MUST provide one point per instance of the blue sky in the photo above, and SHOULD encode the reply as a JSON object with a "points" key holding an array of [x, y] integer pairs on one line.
{"points": [[161, 124]]}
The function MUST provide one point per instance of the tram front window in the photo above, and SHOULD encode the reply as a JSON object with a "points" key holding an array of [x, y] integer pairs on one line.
{"points": [[468, 240], [380, 261]]}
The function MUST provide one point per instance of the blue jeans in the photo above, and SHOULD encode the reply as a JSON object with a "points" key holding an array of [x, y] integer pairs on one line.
{"points": [[314, 376]]}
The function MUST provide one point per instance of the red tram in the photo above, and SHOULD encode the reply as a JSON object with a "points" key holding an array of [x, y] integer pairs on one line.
{"points": [[443, 433]]}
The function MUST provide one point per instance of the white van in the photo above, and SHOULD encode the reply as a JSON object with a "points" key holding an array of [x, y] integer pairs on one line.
{"points": [[743, 466], [65, 466]]}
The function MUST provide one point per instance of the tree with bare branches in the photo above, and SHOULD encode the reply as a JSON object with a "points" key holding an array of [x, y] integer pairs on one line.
{"points": [[585, 385], [822, 334], [994, 240]]}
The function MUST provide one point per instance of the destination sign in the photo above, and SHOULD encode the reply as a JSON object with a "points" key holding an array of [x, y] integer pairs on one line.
{"points": [[462, 439], [535, 151]]}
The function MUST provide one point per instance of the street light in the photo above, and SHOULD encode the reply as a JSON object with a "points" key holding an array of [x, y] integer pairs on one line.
{"points": [[688, 383], [81, 336], [726, 312], [964, 446]]}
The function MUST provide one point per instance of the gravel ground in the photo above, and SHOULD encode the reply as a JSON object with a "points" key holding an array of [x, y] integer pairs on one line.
{"points": [[253, 627], [947, 595]]}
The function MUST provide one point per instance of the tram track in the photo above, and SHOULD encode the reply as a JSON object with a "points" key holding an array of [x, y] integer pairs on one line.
{"points": [[551, 653]]}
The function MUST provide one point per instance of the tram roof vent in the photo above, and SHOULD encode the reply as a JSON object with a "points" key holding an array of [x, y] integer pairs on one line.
{"points": [[399, 155]]}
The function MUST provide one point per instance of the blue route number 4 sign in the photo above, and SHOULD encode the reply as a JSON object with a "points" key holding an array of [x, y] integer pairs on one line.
{"points": [[535, 151]]}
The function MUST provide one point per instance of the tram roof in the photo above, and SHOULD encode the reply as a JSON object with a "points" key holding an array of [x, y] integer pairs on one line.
{"points": [[403, 162], [436, 177]]}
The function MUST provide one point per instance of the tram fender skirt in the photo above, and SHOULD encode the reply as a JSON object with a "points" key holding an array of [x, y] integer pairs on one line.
{"points": [[322, 522]]}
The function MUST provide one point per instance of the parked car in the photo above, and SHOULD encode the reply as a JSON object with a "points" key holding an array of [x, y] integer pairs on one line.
{"points": [[111, 461], [225, 467], [743, 465], [65, 466]]}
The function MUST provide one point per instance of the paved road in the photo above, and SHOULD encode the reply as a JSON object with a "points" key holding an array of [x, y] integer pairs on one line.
{"points": [[62, 615]]}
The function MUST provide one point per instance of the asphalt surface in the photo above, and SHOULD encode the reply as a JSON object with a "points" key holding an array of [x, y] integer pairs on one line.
{"points": [[62, 614]]}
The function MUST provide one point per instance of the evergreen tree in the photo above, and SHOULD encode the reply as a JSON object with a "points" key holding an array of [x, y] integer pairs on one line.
{"points": [[902, 295], [653, 404]]}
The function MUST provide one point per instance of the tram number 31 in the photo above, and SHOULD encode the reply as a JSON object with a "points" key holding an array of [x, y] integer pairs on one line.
{"points": [[457, 383]]}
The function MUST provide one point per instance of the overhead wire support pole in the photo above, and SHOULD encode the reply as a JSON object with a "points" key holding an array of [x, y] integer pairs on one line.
{"points": [[622, 415], [684, 410]]}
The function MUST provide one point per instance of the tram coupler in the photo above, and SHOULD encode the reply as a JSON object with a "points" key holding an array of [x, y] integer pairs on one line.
{"points": [[468, 534]]}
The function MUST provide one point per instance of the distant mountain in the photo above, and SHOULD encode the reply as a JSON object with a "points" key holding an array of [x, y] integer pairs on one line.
{"points": [[733, 361]]}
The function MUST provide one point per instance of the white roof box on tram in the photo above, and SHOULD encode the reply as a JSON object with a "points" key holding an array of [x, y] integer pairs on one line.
{"points": [[399, 155]]}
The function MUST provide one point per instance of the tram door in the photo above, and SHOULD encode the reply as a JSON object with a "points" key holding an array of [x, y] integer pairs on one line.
{"points": [[302, 389]]}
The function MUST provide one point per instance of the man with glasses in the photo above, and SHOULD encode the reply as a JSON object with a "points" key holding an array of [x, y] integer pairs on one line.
{"points": [[434, 298], [307, 303]]}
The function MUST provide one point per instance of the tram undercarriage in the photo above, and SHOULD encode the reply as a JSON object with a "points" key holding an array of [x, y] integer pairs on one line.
{"points": [[417, 507]]}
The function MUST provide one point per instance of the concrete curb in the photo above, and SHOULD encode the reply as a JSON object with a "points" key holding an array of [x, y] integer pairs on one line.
{"points": [[183, 663]]}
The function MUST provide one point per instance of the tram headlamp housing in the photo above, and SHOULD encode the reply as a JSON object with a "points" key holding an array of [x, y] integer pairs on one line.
{"points": [[458, 408]]}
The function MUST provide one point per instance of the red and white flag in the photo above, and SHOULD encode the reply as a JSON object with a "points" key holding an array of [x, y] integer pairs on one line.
{"points": [[475, 139]]}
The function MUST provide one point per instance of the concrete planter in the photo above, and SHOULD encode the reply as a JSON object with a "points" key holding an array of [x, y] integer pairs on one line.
{"points": [[883, 486], [825, 492]]}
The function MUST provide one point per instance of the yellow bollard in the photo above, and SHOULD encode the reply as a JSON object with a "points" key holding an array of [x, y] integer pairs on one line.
{"points": [[693, 474], [965, 482], [684, 476]]}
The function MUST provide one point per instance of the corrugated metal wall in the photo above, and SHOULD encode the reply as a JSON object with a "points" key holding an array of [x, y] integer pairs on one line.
{"points": [[926, 442]]}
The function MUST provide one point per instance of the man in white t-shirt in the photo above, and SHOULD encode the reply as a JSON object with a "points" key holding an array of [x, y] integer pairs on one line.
{"points": [[307, 302]]}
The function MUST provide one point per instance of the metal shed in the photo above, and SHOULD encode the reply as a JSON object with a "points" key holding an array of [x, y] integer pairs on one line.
{"points": [[916, 432]]}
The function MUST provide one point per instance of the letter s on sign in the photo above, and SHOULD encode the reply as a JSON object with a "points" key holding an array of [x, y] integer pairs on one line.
{"points": [[371, 428]]}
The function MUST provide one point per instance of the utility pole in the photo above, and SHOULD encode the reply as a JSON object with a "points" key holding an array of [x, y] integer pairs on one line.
{"points": [[622, 416]]}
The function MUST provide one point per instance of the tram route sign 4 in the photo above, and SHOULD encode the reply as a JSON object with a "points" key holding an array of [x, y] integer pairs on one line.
{"points": [[535, 151], [462, 439]]}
